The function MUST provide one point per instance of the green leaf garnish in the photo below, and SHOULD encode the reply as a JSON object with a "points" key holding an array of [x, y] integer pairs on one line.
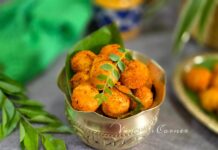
{"points": [[100, 87], [122, 50], [107, 90], [116, 74], [121, 66], [106, 67], [128, 56], [102, 77], [101, 97], [110, 83], [114, 57]]}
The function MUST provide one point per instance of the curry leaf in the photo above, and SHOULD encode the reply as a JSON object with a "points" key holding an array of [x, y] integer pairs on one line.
{"points": [[99, 86], [51, 143], [114, 57], [31, 137], [106, 67], [102, 77], [121, 66], [122, 50], [128, 56], [116, 74]]}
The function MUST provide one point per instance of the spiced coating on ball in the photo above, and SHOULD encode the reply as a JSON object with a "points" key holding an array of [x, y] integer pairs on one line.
{"points": [[198, 78], [82, 61], [116, 105], [135, 75], [145, 95], [97, 70], [83, 98], [78, 78], [110, 49], [209, 99]]}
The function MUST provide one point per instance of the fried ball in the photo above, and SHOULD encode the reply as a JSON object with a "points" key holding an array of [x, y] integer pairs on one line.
{"points": [[123, 88], [214, 80], [215, 69], [209, 99], [116, 104], [100, 58], [78, 78], [135, 75], [82, 61], [149, 83], [110, 49], [83, 98], [145, 95], [97, 70], [198, 78]]}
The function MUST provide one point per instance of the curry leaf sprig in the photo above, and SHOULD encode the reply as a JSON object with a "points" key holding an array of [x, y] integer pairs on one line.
{"points": [[30, 116], [112, 69]]}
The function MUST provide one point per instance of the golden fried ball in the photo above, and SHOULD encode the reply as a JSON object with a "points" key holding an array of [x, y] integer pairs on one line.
{"points": [[100, 58], [209, 99], [149, 83], [82, 61], [116, 104], [135, 75], [110, 49], [97, 70], [123, 88], [83, 98], [198, 78], [78, 78], [214, 80], [145, 95], [215, 70]]}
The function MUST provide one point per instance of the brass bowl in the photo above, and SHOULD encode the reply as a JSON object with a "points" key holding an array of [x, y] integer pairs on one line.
{"points": [[105, 133]]}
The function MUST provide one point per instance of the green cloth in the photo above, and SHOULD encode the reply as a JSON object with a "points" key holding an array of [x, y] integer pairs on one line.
{"points": [[34, 32]]}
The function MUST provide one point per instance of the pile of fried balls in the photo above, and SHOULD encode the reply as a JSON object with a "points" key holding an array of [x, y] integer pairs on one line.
{"points": [[135, 78], [205, 83]]}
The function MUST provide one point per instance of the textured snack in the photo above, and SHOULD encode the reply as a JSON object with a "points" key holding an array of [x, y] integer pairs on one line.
{"points": [[209, 99], [82, 61], [135, 75], [116, 105], [83, 98], [145, 95], [78, 78], [110, 49], [198, 78], [97, 70]]}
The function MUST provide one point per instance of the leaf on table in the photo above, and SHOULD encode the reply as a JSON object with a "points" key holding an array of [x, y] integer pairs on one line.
{"points": [[58, 128], [51, 143], [33, 103], [10, 117], [31, 136]]}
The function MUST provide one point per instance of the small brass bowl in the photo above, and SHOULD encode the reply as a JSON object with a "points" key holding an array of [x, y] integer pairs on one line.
{"points": [[105, 133]]}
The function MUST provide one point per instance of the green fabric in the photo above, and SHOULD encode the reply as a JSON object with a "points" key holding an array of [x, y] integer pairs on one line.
{"points": [[34, 32]]}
